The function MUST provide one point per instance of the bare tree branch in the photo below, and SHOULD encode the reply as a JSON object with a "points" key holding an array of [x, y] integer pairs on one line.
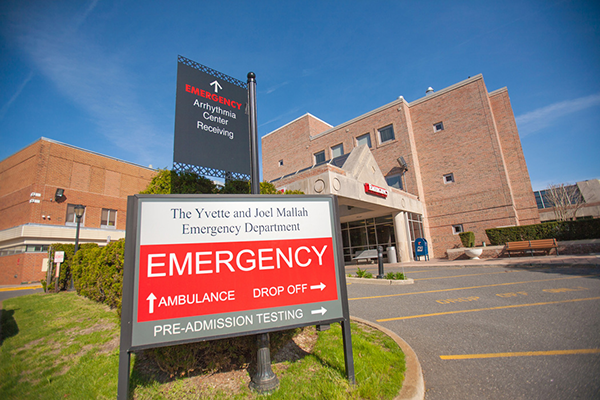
{"points": [[565, 199]]}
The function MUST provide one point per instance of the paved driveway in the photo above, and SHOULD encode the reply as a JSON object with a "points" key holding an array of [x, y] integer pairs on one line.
{"points": [[494, 332]]}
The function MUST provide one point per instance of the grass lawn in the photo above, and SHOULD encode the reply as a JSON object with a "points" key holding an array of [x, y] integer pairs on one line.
{"points": [[57, 346]]}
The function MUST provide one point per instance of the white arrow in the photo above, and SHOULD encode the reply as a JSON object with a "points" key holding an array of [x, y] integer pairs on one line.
{"points": [[319, 286], [217, 86], [151, 298], [322, 311]]}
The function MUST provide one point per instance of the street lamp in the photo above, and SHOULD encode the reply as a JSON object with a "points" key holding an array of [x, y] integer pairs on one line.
{"points": [[79, 210]]}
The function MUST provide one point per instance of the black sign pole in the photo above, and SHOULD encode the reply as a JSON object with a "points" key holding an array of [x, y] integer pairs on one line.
{"points": [[264, 380], [127, 299], [254, 175], [345, 323]]}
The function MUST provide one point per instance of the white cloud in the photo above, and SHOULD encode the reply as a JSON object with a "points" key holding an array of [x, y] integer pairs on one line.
{"points": [[543, 117], [14, 97], [274, 88], [96, 81]]}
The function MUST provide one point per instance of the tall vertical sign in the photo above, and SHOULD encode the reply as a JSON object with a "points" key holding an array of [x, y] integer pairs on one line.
{"points": [[211, 125]]}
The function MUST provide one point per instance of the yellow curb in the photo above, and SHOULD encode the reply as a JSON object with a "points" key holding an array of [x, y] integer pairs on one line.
{"points": [[20, 288]]}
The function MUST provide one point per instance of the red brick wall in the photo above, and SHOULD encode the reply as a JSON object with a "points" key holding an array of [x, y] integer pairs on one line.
{"points": [[27, 267], [515, 160], [479, 145], [92, 180]]}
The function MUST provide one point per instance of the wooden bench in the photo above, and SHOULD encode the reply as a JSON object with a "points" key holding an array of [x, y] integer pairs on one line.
{"points": [[532, 245], [365, 255]]}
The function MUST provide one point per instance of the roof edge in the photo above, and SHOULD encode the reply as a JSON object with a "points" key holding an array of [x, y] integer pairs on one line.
{"points": [[446, 90], [297, 119], [89, 151]]}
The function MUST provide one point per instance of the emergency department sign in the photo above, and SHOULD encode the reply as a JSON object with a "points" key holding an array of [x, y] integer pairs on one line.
{"points": [[211, 125], [218, 266]]}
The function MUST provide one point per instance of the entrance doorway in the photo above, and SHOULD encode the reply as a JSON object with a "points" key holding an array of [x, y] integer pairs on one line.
{"points": [[367, 234]]}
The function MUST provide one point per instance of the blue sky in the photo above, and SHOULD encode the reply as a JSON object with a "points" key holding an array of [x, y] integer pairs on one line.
{"points": [[101, 74]]}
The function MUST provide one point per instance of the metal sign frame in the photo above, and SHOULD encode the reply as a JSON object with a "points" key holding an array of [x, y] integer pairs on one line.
{"points": [[132, 339]]}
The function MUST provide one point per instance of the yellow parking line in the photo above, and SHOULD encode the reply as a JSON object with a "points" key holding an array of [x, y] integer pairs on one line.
{"points": [[461, 276], [469, 287], [20, 288], [487, 309], [521, 354]]}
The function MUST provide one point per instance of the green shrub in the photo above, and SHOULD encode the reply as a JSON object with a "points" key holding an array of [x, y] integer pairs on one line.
{"points": [[64, 279], [467, 239], [98, 273], [561, 231], [182, 182], [398, 276], [360, 273]]}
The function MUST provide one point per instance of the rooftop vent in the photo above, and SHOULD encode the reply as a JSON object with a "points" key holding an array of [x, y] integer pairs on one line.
{"points": [[429, 91]]}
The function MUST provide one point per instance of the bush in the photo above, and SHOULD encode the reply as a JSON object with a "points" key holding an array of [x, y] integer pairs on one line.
{"points": [[98, 273], [398, 276], [64, 279], [467, 239], [181, 182], [561, 231]]}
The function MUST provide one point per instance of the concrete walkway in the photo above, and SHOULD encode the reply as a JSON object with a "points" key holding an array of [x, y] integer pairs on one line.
{"points": [[592, 260]]}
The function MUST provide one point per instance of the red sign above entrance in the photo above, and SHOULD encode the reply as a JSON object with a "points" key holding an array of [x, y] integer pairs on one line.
{"points": [[376, 190]]}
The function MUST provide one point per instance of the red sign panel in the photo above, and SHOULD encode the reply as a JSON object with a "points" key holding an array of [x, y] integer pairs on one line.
{"points": [[184, 280], [376, 190]]}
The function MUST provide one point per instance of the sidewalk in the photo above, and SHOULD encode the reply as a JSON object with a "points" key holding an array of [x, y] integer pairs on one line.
{"points": [[589, 260]]}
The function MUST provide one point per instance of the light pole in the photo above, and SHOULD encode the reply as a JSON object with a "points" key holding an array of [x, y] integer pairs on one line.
{"points": [[79, 210]]}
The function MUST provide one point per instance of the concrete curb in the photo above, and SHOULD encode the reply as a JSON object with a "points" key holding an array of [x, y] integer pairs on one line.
{"points": [[374, 281], [413, 387]]}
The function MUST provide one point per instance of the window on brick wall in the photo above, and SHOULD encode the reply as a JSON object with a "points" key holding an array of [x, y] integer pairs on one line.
{"points": [[364, 139], [337, 151], [109, 218], [386, 134], [394, 181], [456, 229], [438, 126], [71, 218], [320, 157], [448, 178]]}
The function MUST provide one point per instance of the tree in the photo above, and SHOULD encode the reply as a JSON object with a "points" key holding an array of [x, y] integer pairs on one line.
{"points": [[181, 182], [565, 199]]}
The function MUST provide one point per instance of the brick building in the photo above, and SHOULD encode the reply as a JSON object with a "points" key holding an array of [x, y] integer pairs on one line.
{"points": [[39, 187], [449, 162]]}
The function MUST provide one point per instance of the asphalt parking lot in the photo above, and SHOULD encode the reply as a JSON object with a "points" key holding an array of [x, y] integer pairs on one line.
{"points": [[494, 331]]}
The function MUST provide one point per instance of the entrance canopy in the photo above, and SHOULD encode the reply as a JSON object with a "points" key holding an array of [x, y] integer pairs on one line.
{"points": [[363, 194]]}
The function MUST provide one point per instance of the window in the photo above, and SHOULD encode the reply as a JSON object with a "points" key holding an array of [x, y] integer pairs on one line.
{"points": [[448, 178], [109, 218], [438, 126], [337, 151], [394, 181], [320, 157], [281, 163], [71, 218], [386, 134], [364, 139], [456, 229]]}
